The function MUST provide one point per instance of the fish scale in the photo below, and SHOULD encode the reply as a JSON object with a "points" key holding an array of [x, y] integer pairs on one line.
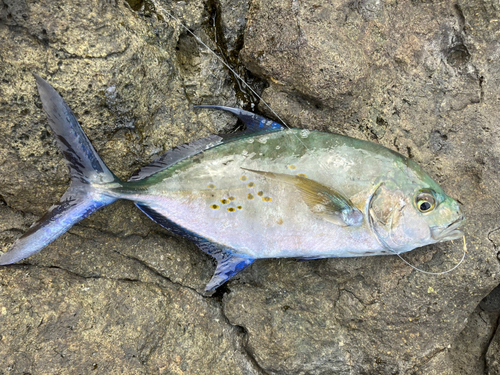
{"points": [[262, 193]]}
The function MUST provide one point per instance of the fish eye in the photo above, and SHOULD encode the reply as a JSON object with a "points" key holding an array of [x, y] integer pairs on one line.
{"points": [[425, 201]]}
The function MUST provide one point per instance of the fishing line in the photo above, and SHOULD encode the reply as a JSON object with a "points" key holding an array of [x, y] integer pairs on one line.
{"points": [[385, 245], [222, 61], [435, 273], [370, 220], [237, 76]]}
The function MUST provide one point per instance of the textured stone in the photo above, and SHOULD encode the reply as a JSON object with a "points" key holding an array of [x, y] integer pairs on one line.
{"points": [[418, 77], [468, 350], [56, 322], [118, 294], [493, 355]]}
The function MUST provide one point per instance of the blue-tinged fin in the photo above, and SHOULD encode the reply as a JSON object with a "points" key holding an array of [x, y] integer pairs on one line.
{"points": [[175, 155], [83, 162], [87, 172], [253, 122], [228, 264], [74, 206]]}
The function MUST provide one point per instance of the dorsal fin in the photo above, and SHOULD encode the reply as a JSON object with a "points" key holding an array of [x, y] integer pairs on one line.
{"points": [[253, 121], [175, 155]]}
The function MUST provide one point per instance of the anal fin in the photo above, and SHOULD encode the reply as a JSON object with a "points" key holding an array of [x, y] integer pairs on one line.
{"points": [[228, 265]]}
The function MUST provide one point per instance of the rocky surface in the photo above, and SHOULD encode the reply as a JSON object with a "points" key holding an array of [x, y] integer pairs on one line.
{"points": [[58, 322], [118, 294]]}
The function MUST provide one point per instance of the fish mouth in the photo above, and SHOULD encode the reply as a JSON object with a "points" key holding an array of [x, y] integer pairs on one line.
{"points": [[451, 232]]}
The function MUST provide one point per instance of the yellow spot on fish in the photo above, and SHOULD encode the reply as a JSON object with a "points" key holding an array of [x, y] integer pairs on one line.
{"points": [[431, 290], [291, 166], [224, 201], [280, 221], [243, 178], [232, 198], [214, 206], [211, 186], [260, 193], [239, 207], [267, 199], [231, 209], [302, 175], [251, 184], [250, 196]]}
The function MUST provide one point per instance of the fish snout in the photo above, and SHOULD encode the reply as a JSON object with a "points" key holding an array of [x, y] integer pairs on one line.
{"points": [[452, 230]]}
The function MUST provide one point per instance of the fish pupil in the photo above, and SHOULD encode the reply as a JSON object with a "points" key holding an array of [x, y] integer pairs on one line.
{"points": [[425, 206]]}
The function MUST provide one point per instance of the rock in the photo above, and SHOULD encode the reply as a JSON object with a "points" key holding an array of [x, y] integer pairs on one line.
{"points": [[493, 355], [492, 301], [416, 77], [233, 22], [120, 293], [491, 306], [468, 350], [56, 322]]}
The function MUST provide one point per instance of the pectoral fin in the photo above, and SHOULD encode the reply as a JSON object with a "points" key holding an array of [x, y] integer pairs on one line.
{"points": [[322, 200]]}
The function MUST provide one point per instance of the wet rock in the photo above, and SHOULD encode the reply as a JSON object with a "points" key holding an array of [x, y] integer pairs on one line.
{"points": [[56, 322], [233, 21], [421, 78], [417, 77], [468, 351]]}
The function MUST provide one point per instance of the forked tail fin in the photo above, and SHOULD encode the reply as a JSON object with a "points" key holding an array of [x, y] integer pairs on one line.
{"points": [[88, 173]]}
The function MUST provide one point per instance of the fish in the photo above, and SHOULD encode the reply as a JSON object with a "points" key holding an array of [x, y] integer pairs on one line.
{"points": [[266, 192]]}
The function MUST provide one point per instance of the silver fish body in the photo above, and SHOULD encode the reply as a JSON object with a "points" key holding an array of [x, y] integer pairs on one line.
{"points": [[266, 193], [216, 195]]}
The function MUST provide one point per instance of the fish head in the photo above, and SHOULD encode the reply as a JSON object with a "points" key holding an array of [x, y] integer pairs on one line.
{"points": [[413, 212]]}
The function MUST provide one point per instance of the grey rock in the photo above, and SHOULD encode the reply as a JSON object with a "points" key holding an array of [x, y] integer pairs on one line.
{"points": [[233, 22], [492, 301], [56, 322], [118, 294], [468, 350], [493, 355]]}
